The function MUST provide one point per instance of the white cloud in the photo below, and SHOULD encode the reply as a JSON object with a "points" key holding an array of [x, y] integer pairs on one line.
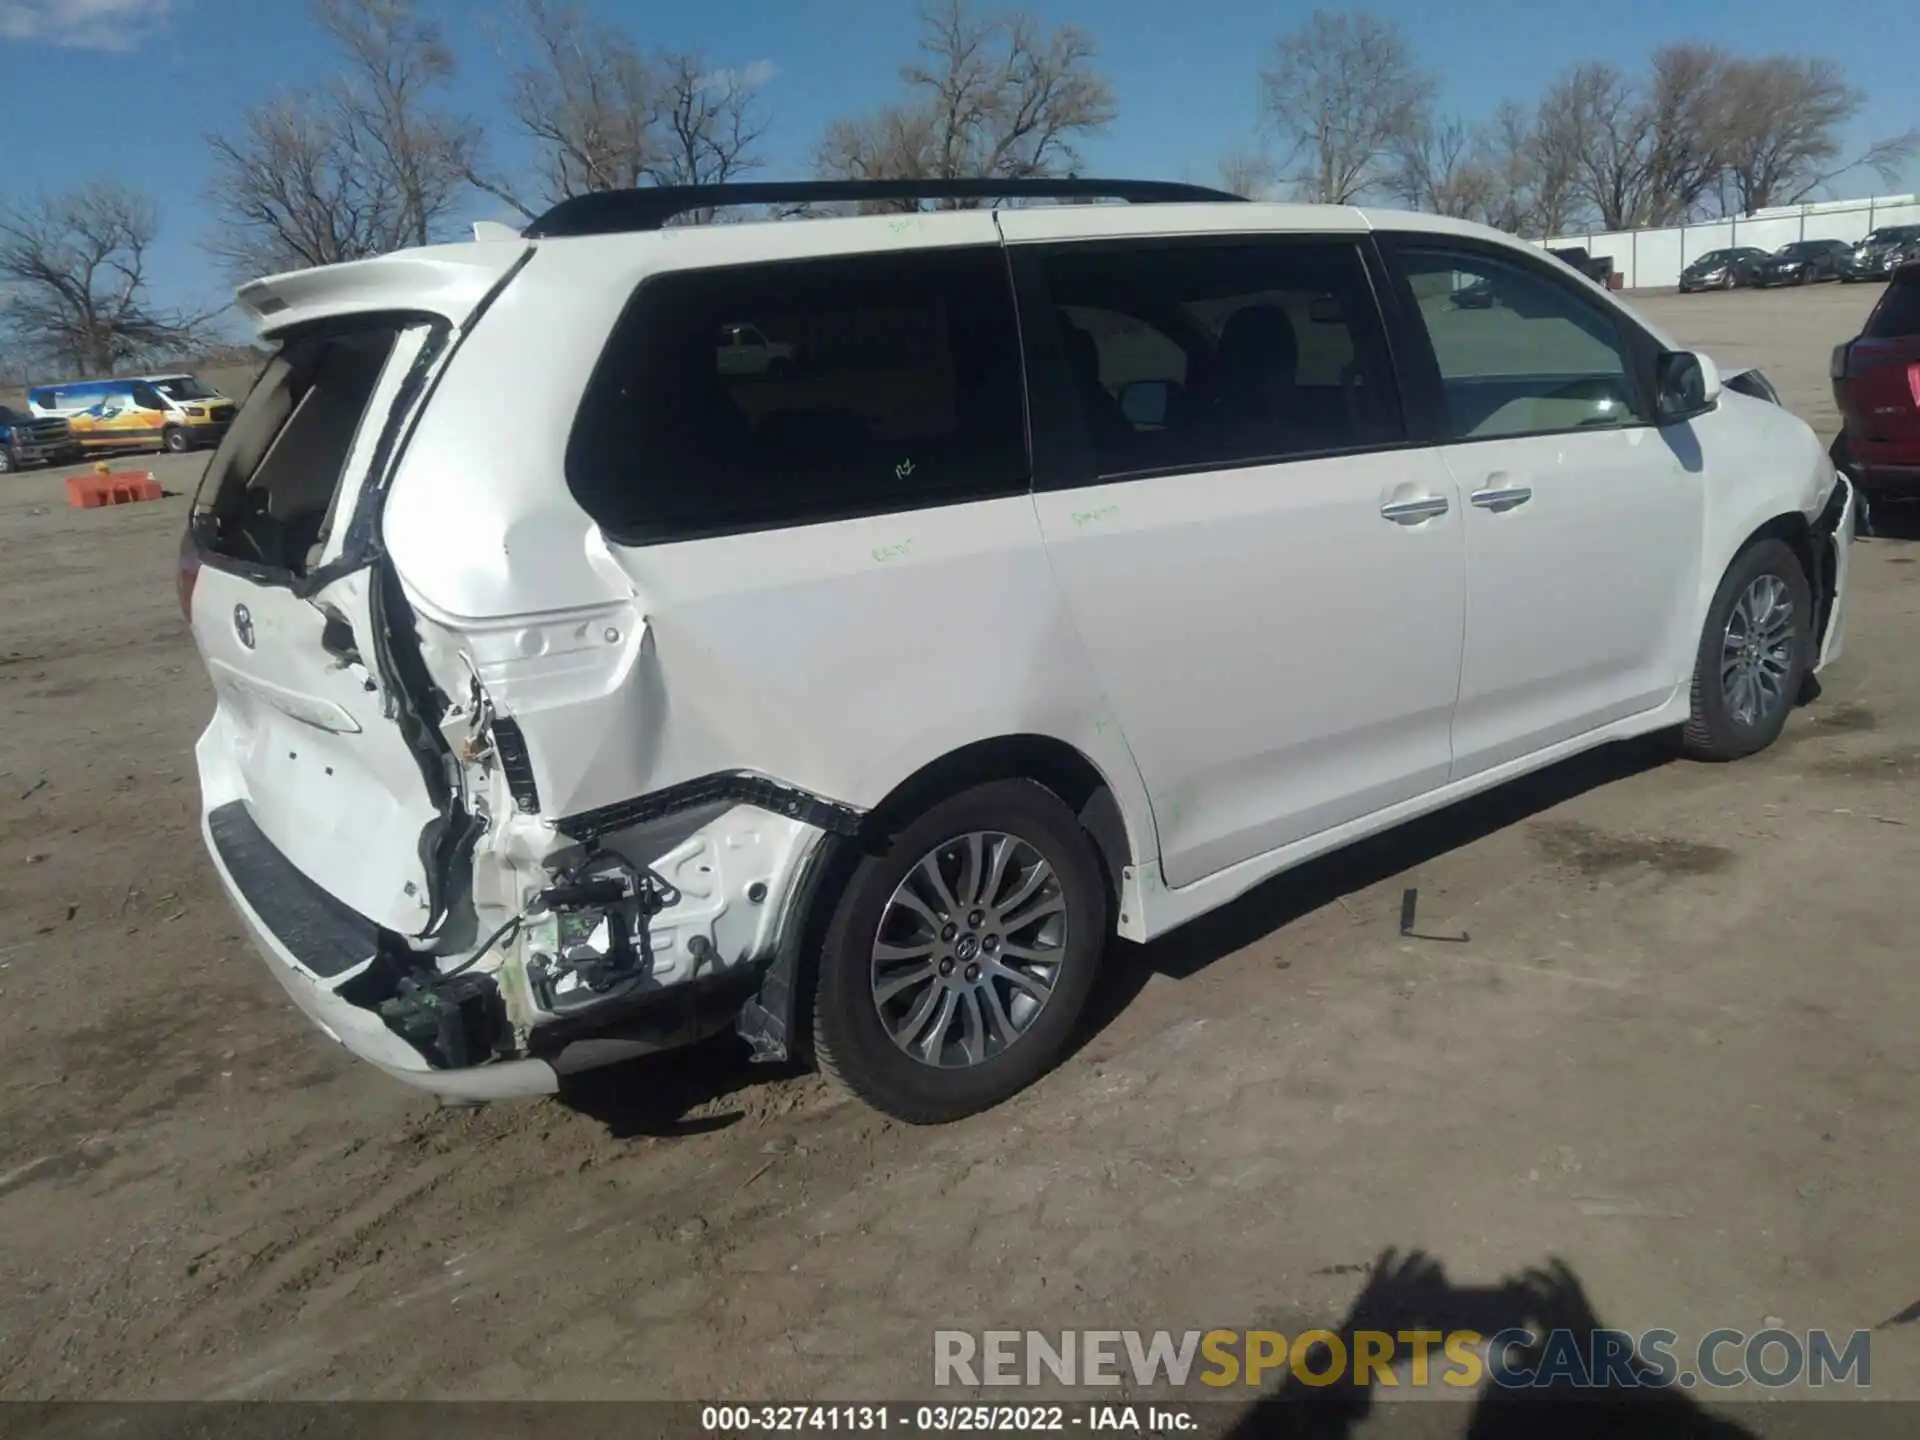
{"points": [[82, 24], [750, 76]]}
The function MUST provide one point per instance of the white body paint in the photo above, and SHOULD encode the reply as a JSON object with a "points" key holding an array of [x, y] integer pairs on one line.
{"points": [[1259, 668]]}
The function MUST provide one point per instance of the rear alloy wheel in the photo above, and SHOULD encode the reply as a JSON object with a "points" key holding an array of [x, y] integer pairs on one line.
{"points": [[1754, 655], [958, 962]]}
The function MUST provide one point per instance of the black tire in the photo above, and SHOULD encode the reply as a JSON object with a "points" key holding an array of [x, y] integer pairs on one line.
{"points": [[1713, 732], [176, 441], [852, 1043], [7, 463]]}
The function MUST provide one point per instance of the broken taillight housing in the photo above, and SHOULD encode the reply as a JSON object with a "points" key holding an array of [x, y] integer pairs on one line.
{"points": [[1913, 382], [188, 574]]}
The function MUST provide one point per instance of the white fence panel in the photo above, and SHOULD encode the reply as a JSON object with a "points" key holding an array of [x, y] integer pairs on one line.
{"points": [[1897, 215], [1698, 240], [1648, 259], [1767, 234], [1658, 252]]}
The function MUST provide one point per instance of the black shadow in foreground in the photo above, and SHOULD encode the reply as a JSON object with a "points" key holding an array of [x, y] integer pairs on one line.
{"points": [[1413, 1293]]}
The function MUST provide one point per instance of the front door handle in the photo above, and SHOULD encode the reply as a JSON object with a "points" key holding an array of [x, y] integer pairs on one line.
{"points": [[1412, 512], [1504, 499]]}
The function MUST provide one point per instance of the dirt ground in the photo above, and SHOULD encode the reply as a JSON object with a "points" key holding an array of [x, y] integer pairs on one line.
{"points": [[1677, 1050]]}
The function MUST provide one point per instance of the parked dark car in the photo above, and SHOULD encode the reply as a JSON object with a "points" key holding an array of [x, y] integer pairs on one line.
{"points": [[1875, 257], [1876, 384], [1801, 263], [1722, 269], [26, 440]]}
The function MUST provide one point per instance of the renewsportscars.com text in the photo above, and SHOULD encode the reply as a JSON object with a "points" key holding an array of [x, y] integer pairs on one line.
{"points": [[1461, 1359]]}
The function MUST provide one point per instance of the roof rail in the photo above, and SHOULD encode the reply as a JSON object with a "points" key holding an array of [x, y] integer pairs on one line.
{"points": [[612, 212]]}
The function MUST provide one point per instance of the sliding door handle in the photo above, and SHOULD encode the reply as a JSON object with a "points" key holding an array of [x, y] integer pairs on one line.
{"points": [[1498, 500], [1412, 512]]}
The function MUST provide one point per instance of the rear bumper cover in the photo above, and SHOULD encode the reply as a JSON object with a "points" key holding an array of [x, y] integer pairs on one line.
{"points": [[313, 945], [1884, 479]]}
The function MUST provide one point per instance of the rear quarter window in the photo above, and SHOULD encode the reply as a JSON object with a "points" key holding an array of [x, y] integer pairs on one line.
{"points": [[874, 383], [1898, 313]]}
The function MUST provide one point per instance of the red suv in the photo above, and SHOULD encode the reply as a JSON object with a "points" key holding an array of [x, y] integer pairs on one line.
{"points": [[1876, 384]]}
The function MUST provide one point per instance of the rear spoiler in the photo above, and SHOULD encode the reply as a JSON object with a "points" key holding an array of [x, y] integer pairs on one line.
{"points": [[445, 280]]}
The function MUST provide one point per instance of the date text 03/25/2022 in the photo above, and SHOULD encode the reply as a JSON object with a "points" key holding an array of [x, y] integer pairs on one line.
{"points": [[947, 1419]]}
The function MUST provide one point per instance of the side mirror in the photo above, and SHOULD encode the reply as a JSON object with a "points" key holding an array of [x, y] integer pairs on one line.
{"points": [[1685, 385], [1144, 402]]}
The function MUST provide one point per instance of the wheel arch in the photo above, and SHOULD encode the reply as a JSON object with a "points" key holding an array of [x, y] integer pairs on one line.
{"points": [[1044, 759], [777, 1022], [1805, 539]]}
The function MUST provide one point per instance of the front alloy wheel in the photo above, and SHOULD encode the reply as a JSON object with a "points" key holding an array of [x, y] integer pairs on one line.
{"points": [[960, 953], [1757, 652], [1754, 654]]}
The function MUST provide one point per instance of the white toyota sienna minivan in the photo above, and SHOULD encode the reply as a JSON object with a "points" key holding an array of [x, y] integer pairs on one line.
{"points": [[581, 692]]}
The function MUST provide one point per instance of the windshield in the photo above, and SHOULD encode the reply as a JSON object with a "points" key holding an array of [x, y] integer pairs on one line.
{"points": [[1891, 235], [183, 388], [1800, 249], [1716, 257]]}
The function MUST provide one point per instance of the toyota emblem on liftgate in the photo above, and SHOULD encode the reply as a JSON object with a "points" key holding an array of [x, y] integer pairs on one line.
{"points": [[243, 625]]}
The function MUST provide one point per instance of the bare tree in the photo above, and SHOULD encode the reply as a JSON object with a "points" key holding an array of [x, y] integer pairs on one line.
{"points": [[706, 124], [1781, 142], [364, 164], [1246, 173], [1345, 97], [1525, 196], [1652, 151], [992, 98], [605, 116], [1594, 129], [1537, 179], [1686, 121], [1442, 167], [74, 280], [296, 188], [584, 101]]}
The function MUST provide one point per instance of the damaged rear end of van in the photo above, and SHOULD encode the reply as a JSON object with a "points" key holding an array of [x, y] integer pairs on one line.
{"points": [[369, 798]]}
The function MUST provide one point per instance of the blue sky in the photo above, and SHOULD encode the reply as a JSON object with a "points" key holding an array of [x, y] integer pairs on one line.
{"points": [[129, 88]]}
